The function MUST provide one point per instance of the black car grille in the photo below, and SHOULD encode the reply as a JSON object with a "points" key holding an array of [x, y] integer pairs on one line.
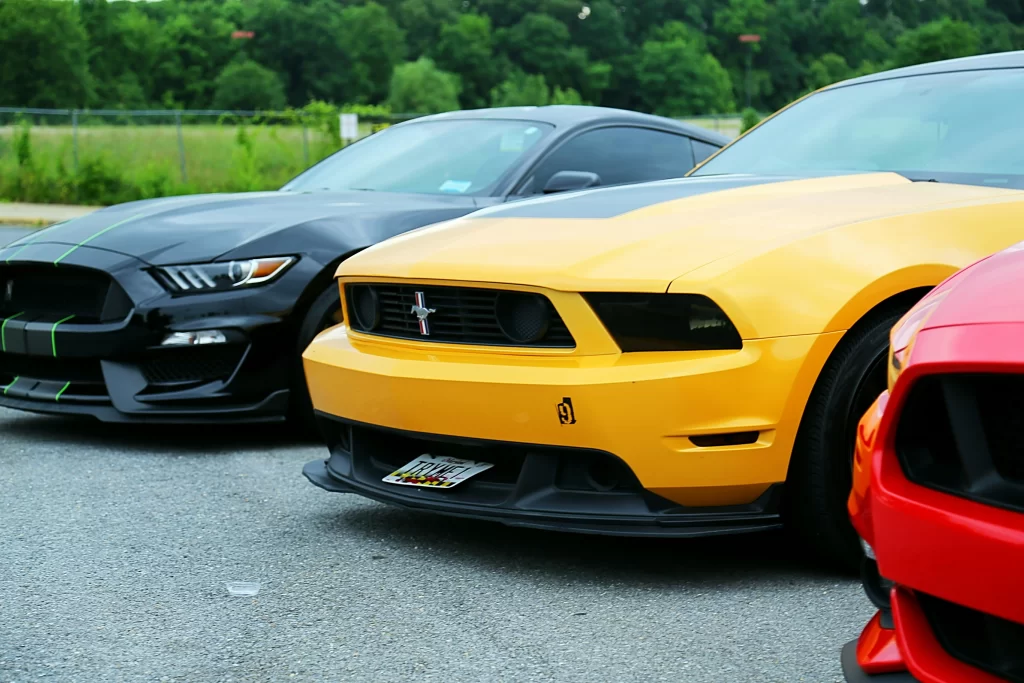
{"points": [[463, 315], [55, 292], [192, 365], [981, 640], [964, 434]]}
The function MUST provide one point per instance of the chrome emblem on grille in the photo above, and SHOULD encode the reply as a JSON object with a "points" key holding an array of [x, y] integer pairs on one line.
{"points": [[9, 291], [421, 312]]}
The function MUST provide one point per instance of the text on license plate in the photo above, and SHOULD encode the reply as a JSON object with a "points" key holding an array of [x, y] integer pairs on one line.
{"points": [[437, 471]]}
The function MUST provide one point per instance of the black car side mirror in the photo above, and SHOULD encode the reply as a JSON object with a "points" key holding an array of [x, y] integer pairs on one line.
{"points": [[563, 181]]}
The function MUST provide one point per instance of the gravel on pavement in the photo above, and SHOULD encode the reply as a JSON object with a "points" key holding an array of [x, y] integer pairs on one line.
{"points": [[117, 543]]}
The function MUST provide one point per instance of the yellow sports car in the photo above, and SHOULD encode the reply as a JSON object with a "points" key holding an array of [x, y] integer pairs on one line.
{"points": [[661, 359]]}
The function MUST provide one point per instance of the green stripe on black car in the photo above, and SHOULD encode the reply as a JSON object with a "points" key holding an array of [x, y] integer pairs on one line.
{"points": [[53, 334], [3, 330]]}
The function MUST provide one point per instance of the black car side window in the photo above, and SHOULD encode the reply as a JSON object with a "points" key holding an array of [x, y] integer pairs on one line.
{"points": [[617, 155], [702, 150]]}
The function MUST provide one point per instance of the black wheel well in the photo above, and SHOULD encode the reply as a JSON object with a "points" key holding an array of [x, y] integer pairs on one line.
{"points": [[904, 300], [317, 285]]}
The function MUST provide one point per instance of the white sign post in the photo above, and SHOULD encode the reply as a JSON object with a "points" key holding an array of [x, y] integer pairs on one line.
{"points": [[349, 127]]}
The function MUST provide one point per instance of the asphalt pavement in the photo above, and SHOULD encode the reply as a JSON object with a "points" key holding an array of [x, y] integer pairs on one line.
{"points": [[116, 543]]}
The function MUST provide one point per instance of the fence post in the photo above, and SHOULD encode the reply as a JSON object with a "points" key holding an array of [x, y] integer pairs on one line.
{"points": [[305, 144], [74, 141], [181, 147]]}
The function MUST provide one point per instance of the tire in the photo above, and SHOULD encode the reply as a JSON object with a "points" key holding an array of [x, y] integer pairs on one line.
{"points": [[324, 312], [821, 467]]}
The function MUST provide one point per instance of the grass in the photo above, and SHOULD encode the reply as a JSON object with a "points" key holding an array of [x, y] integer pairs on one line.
{"points": [[117, 163]]}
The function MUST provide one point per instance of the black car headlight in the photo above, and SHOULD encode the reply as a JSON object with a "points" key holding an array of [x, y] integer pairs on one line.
{"points": [[198, 278], [664, 322]]}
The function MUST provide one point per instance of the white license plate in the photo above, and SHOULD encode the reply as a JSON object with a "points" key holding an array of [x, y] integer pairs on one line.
{"points": [[436, 471]]}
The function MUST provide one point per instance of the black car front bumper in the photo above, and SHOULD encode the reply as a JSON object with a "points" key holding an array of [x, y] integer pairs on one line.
{"points": [[85, 338], [543, 487]]}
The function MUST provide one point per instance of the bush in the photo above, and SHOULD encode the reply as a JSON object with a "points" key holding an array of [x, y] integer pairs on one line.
{"points": [[521, 90], [750, 119], [420, 87], [247, 85]]}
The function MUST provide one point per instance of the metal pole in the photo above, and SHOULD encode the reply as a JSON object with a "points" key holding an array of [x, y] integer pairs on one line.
{"points": [[305, 144], [74, 141], [181, 147], [750, 59]]}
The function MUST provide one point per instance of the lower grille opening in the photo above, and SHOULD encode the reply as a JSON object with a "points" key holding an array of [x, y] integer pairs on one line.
{"points": [[192, 365], [984, 641], [74, 378], [79, 370], [964, 434]]}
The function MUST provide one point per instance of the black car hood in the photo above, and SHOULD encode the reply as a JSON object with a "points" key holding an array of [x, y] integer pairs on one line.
{"points": [[197, 228]]}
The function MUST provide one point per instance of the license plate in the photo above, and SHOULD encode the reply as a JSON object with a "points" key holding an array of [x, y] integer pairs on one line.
{"points": [[436, 471]]}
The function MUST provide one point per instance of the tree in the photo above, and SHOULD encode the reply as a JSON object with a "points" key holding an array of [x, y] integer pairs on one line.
{"points": [[521, 90], [467, 48], [421, 88], [194, 44], [424, 21], [828, 69], [247, 85], [375, 45], [679, 77], [942, 39], [45, 51], [540, 44]]}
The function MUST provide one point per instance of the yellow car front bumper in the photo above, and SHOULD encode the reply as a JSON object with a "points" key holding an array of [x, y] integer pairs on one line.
{"points": [[694, 435]]}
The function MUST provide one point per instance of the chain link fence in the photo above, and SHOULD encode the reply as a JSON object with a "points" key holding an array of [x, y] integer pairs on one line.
{"points": [[107, 156]]}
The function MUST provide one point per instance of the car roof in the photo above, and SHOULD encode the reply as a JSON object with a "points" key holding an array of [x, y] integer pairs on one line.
{"points": [[998, 60], [572, 115]]}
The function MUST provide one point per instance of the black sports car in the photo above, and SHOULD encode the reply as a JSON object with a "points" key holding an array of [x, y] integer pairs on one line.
{"points": [[197, 308]]}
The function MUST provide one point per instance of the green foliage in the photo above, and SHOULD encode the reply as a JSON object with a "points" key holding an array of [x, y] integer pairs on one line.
{"points": [[749, 119], [247, 85], [679, 76], [943, 39], [44, 51], [375, 45], [420, 87], [521, 90], [828, 69], [308, 56], [466, 48], [566, 96]]}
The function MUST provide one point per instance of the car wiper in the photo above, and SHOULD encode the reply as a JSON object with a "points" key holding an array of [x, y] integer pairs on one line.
{"points": [[921, 180]]}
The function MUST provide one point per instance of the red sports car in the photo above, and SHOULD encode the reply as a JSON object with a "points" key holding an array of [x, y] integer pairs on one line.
{"points": [[938, 495]]}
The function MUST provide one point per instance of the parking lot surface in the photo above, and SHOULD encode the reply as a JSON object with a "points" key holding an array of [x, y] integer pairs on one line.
{"points": [[117, 543]]}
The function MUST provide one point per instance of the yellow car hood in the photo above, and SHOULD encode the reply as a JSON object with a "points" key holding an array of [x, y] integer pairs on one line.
{"points": [[642, 237]]}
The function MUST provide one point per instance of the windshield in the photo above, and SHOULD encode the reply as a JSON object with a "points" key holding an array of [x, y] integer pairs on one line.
{"points": [[952, 127], [465, 157]]}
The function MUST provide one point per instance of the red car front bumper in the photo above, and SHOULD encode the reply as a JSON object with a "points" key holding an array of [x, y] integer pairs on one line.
{"points": [[952, 555]]}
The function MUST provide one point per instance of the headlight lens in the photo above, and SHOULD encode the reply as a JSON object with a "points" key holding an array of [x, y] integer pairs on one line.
{"points": [[218, 277], [904, 332], [665, 322]]}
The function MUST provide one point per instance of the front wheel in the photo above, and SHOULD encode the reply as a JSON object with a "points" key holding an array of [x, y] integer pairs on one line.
{"points": [[325, 312], [821, 467]]}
